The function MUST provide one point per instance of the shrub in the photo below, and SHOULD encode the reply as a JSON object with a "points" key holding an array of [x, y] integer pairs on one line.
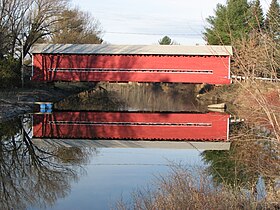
{"points": [[9, 72]]}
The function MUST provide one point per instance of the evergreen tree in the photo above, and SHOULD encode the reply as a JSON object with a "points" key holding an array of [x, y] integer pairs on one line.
{"points": [[165, 41], [229, 23], [273, 20], [217, 33], [237, 14], [256, 17]]}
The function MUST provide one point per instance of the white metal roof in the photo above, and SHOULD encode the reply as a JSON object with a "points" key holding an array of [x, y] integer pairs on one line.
{"points": [[131, 49]]}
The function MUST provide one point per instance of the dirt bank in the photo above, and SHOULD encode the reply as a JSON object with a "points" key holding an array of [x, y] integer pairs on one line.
{"points": [[18, 101]]}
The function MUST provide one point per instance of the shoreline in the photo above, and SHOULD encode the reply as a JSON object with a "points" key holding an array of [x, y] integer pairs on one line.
{"points": [[14, 102]]}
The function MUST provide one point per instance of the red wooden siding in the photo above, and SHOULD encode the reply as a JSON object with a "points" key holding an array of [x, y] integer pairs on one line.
{"points": [[141, 126], [134, 68]]}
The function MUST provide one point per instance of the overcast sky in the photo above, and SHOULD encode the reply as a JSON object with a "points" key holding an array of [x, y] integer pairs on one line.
{"points": [[147, 21]]}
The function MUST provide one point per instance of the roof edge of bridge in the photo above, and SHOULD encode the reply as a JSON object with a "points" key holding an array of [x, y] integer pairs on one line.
{"points": [[203, 50]]}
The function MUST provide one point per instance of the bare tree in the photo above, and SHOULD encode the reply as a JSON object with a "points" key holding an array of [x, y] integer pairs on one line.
{"points": [[256, 56], [11, 15], [40, 19], [24, 22], [77, 27]]}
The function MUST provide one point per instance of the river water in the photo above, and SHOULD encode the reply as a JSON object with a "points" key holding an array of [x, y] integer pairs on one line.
{"points": [[97, 147]]}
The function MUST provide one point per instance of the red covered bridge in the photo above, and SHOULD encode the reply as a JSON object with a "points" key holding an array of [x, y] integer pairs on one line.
{"points": [[132, 125], [131, 63]]}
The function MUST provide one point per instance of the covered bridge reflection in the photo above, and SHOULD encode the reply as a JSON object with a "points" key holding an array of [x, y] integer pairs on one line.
{"points": [[133, 125]]}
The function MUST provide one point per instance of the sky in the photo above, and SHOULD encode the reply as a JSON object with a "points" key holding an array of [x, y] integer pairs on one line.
{"points": [[147, 21]]}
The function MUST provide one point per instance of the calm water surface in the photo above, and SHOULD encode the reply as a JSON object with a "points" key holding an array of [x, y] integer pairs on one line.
{"points": [[100, 146], [115, 173]]}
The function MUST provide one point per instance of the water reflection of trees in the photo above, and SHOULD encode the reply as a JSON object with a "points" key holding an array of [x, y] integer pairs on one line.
{"points": [[31, 175], [134, 96], [251, 158]]}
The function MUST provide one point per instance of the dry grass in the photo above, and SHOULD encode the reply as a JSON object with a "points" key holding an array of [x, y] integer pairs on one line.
{"points": [[259, 104], [184, 190]]}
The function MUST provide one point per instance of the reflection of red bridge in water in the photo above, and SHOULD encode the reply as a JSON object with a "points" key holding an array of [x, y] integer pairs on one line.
{"points": [[132, 63], [132, 125]]}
